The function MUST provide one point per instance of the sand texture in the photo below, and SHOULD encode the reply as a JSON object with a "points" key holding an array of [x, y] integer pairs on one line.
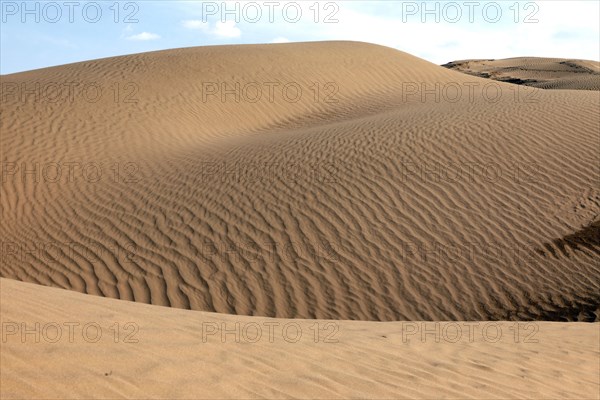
{"points": [[168, 353], [391, 189]]}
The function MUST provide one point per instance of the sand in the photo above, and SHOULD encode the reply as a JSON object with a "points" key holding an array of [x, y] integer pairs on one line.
{"points": [[175, 354], [544, 73], [390, 189], [320, 187]]}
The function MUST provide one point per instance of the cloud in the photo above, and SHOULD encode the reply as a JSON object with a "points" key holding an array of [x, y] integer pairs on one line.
{"points": [[565, 35], [280, 39], [144, 36], [446, 41], [227, 29]]}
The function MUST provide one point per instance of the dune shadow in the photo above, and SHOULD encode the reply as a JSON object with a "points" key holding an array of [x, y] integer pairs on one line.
{"points": [[586, 238]]}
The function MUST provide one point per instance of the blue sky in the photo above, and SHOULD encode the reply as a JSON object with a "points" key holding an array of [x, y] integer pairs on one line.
{"points": [[37, 34]]}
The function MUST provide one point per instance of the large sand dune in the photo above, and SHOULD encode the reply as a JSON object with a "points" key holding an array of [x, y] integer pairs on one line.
{"points": [[166, 353], [386, 196], [545, 73]]}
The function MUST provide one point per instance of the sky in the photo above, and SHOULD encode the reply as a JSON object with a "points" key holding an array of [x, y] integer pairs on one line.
{"points": [[37, 34]]}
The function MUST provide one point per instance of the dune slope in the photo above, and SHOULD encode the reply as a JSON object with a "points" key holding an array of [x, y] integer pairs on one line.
{"points": [[385, 188], [128, 350]]}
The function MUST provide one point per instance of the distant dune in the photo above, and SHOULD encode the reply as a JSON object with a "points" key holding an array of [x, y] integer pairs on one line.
{"points": [[330, 180], [544, 73], [128, 350]]}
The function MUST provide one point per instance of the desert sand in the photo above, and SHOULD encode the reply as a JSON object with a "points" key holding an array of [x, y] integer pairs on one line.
{"points": [[342, 184], [169, 353], [389, 189], [545, 73]]}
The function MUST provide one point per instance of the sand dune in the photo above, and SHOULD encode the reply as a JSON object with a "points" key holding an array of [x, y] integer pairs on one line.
{"points": [[168, 353], [390, 189], [544, 73]]}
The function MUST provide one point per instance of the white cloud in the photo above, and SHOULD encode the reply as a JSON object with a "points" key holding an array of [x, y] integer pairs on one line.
{"points": [[445, 41], [280, 39], [144, 36], [227, 29]]}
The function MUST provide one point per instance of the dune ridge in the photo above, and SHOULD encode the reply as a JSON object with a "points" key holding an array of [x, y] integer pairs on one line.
{"points": [[345, 218]]}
